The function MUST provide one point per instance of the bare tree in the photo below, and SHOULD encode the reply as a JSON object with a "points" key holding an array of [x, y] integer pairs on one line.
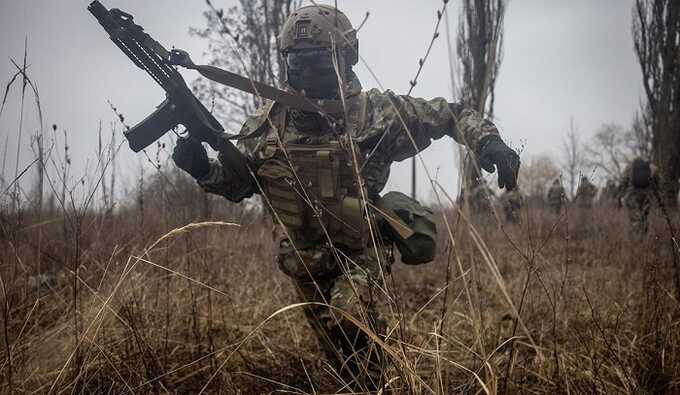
{"points": [[242, 39], [536, 174], [609, 150], [479, 50], [572, 157], [639, 136], [656, 35], [613, 147]]}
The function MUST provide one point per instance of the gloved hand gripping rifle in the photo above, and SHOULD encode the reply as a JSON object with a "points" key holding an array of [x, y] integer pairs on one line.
{"points": [[180, 105]]}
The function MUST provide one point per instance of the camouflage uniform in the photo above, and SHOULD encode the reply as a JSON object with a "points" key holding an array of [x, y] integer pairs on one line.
{"points": [[556, 196], [637, 198], [512, 203], [321, 176], [481, 201], [610, 194], [327, 251], [585, 194]]}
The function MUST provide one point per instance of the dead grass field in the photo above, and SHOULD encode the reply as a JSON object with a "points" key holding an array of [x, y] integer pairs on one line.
{"points": [[571, 305]]}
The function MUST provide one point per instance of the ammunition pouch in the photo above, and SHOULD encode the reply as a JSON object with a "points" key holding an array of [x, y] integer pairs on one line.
{"points": [[312, 190], [414, 232], [305, 264]]}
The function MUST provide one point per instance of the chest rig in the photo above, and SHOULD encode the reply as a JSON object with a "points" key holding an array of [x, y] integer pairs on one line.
{"points": [[313, 189]]}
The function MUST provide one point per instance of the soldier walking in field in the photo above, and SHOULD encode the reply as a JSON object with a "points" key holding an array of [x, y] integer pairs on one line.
{"points": [[637, 190], [321, 176], [610, 194], [512, 202], [481, 199], [557, 196], [585, 194]]}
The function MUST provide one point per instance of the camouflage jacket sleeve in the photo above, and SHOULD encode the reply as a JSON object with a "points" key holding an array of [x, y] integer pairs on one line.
{"points": [[426, 120], [221, 180]]}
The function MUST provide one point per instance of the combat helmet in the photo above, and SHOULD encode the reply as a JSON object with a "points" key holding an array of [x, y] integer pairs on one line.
{"points": [[312, 39], [318, 26]]}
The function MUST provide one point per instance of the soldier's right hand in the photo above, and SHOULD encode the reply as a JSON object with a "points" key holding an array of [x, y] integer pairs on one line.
{"points": [[190, 156]]}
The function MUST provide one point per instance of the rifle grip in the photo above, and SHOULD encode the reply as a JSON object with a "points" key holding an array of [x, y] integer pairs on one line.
{"points": [[154, 126]]}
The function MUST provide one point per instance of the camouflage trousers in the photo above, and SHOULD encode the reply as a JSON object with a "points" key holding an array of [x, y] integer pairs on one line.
{"points": [[638, 204], [340, 284]]}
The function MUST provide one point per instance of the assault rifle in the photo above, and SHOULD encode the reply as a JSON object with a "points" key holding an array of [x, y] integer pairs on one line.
{"points": [[180, 105]]}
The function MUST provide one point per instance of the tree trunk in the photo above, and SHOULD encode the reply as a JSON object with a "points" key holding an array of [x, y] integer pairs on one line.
{"points": [[656, 35], [479, 49], [666, 158]]}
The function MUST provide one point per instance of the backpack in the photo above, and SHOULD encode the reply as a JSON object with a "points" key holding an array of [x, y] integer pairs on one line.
{"points": [[641, 174]]}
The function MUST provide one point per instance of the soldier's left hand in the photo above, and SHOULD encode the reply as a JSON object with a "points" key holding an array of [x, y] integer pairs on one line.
{"points": [[493, 151]]}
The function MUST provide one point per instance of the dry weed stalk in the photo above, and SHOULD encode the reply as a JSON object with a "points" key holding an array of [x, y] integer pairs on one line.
{"points": [[551, 308]]}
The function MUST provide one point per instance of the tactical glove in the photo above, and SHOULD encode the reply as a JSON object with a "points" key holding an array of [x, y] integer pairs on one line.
{"points": [[493, 151], [190, 156]]}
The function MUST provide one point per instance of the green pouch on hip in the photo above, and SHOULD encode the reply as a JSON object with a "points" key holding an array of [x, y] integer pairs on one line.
{"points": [[418, 246]]}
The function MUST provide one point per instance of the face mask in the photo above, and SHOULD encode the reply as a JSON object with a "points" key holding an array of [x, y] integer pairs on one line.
{"points": [[313, 72], [317, 85]]}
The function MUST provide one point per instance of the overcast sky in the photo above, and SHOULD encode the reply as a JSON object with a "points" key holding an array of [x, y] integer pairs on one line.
{"points": [[562, 59]]}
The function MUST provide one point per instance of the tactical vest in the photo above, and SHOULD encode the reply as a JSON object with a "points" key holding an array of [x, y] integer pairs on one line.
{"points": [[313, 191]]}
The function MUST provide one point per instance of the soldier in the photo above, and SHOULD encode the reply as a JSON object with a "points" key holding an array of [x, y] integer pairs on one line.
{"points": [[481, 198], [610, 194], [512, 203], [319, 172], [556, 196], [585, 194], [637, 188]]}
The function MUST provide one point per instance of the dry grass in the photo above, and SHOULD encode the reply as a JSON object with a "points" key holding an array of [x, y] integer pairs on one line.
{"points": [[163, 293], [557, 305]]}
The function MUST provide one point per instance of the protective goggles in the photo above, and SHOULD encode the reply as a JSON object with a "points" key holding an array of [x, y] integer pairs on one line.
{"points": [[314, 58]]}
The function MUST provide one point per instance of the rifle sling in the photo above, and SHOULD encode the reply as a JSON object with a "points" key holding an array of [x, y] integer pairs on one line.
{"points": [[268, 92]]}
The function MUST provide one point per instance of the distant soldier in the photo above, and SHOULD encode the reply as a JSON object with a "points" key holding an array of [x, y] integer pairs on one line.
{"points": [[585, 194], [512, 203], [611, 194], [481, 198], [556, 196], [637, 188]]}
